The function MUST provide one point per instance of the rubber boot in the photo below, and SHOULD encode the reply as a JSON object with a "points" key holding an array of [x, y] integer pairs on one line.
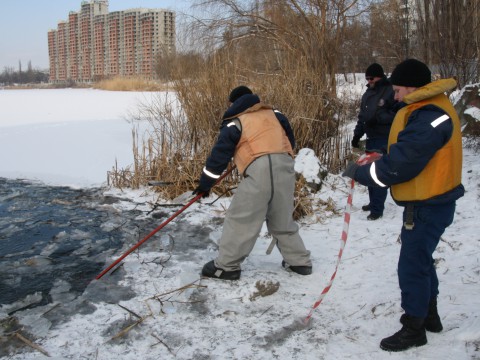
{"points": [[411, 334]]}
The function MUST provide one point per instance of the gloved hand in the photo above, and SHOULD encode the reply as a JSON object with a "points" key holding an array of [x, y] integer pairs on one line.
{"points": [[350, 170], [204, 185], [199, 190], [355, 141]]}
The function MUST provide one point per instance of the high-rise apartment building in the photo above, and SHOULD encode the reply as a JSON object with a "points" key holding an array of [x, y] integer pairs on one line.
{"points": [[94, 44]]}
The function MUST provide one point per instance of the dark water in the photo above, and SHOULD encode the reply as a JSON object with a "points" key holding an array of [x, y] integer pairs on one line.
{"points": [[51, 234], [54, 241], [57, 239]]}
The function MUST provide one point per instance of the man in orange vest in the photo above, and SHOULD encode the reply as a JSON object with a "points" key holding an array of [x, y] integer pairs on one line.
{"points": [[260, 140], [423, 168]]}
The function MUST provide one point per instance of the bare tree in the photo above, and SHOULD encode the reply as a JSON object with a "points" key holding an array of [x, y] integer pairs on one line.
{"points": [[450, 31], [289, 50], [388, 34], [279, 32]]}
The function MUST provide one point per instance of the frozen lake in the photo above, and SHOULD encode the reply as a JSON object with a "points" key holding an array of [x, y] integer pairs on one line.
{"points": [[67, 137]]}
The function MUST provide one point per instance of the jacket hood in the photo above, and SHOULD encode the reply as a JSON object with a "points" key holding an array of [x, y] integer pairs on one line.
{"points": [[430, 90], [240, 105]]}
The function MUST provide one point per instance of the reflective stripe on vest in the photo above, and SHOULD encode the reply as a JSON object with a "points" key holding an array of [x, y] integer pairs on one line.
{"points": [[444, 171]]}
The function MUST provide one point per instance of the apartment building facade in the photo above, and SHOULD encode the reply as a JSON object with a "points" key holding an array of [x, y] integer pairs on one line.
{"points": [[95, 44]]}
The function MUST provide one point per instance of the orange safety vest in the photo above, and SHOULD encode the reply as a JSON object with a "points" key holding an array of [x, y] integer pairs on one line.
{"points": [[444, 171], [262, 134]]}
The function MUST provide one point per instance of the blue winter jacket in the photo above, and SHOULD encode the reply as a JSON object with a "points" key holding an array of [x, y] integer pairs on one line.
{"points": [[416, 145], [377, 111]]}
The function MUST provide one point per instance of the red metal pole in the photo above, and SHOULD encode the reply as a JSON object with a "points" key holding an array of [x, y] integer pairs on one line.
{"points": [[133, 248]]}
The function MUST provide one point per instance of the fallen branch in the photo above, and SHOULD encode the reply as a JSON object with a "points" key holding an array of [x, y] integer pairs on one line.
{"points": [[128, 328], [31, 344], [130, 311], [160, 341], [160, 183], [164, 298], [180, 290]]}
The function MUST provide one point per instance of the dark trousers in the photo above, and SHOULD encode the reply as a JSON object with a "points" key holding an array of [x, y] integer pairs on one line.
{"points": [[416, 271], [377, 195]]}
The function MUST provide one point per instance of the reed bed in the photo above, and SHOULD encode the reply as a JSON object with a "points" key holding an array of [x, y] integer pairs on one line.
{"points": [[129, 84], [186, 126]]}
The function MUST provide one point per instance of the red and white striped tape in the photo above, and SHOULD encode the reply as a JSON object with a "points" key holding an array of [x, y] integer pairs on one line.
{"points": [[346, 224], [363, 160]]}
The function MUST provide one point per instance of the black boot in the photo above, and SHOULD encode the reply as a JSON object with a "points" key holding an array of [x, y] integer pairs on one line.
{"points": [[366, 207], [373, 216], [432, 321], [411, 334], [302, 270], [210, 270]]}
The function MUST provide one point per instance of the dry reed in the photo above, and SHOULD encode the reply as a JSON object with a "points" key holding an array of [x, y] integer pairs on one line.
{"points": [[129, 84], [185, 129]]}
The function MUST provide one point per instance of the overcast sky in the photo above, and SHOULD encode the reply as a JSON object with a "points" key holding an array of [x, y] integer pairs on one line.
{"points": [[24, 25]]}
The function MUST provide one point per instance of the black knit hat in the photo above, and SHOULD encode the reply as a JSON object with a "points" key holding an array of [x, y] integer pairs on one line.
{"points": [[375, 70], [239, 91], [411, 73]]}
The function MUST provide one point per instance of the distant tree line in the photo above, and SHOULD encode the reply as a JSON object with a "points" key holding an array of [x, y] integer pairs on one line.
{"points": [[31, 76], [333, 36]]}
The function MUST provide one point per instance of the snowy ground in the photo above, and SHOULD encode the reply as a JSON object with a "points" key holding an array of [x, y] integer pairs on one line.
{"points": [[170, 313]]}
